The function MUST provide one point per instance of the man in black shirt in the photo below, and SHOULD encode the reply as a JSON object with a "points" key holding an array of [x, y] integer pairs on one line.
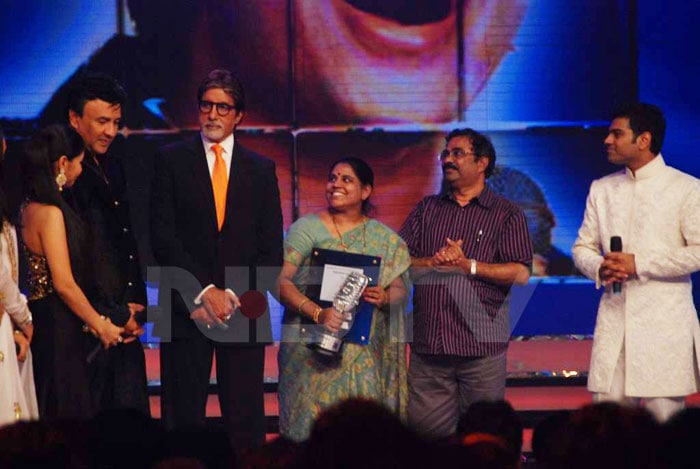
{"points": [[100, 198]]}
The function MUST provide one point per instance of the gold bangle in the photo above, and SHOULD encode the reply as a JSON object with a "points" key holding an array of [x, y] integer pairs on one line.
{"points": [[316, 314], [301, 305]]}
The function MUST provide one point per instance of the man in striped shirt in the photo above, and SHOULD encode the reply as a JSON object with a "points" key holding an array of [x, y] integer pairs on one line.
{"points": [[468, 246]]}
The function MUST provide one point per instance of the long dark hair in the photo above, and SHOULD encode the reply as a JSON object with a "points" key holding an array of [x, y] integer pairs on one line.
{"points": [[364, 173], [38, 157]]}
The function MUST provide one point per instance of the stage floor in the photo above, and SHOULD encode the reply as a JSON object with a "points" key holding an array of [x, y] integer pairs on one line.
{"points": [[534, 356], [545, 374]]}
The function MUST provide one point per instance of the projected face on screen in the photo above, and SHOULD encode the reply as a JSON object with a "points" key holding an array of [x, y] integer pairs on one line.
{"points": [[397, 60], [315, 68], [350, 62], [335, 62]]}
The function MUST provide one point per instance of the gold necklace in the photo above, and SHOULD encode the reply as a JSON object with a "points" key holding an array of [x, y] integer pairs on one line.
{"points": [[340, 235]]}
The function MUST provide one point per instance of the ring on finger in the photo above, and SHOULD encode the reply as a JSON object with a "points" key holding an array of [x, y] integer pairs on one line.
{"points": [[120, 339]]}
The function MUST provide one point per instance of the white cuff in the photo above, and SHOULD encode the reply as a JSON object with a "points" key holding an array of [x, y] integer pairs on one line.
{"points": [[232, 293], [598, 281], [26, 320], [198, 298]]}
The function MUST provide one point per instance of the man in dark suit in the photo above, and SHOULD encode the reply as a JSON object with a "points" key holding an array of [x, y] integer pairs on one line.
{"points": [[118, 375], [216, 227]]}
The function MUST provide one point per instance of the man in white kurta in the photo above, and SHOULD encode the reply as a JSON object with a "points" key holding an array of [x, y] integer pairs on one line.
{"points": [[647, 337]]}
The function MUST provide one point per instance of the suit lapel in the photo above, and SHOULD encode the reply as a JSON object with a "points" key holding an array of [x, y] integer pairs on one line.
{"points": [[233, 194], [237, 182]]}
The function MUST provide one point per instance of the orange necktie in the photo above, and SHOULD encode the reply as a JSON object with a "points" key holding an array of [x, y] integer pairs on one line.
{"points": [[219, 181]]}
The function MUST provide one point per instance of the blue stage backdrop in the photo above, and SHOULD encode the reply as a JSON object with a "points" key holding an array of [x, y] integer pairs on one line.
{"points": [[383, 81]]}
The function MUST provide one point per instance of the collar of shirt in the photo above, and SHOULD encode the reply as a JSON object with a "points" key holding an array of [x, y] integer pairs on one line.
{"points": [[649, 170], [227, 154], [485, 199], [96, 162], [92, 157]]}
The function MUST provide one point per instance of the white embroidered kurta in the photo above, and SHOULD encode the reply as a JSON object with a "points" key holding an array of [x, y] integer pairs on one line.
{"points": [[656, 212], [17, 392]]}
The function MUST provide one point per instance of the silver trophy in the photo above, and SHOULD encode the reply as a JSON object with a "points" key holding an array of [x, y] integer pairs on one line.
{"points": [[345, 302]]}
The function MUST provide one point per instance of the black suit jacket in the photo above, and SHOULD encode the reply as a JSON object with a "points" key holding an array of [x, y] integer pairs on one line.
{"points": [[245, 255], [99, 196]]}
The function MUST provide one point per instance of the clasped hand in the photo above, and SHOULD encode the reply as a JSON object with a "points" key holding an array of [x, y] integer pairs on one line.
{"points": [[217, 307], [110, 334], [617, 267], [448, 256], [132, 327]]}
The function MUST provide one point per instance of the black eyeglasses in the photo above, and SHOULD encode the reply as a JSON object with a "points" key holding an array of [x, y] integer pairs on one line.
{"points": [[222, 109], [456, 153]]}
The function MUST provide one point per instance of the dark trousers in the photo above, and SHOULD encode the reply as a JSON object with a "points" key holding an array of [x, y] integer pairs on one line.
{"points": [[118, 378], [441, 388], [185, 370]]}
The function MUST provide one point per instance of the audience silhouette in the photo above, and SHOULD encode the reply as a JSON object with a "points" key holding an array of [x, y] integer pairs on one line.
{"points": [[362, 433]]}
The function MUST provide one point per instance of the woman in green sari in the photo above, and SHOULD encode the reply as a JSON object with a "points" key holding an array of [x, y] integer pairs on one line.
{"points": [[377, 370]]}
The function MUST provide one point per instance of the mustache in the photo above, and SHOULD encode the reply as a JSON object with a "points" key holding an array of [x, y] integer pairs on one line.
{"points": [[447, 166]]}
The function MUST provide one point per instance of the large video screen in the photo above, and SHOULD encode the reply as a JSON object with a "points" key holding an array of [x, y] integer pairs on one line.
{"points": [[381, 80], [330, 62], [313, 69]]}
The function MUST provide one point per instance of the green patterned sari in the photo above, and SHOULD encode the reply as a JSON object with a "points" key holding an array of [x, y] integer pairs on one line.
{"points": [[377, 370]]}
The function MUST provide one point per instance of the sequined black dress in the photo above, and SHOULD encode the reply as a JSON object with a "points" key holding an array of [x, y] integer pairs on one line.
{"points": [[60, 347]]}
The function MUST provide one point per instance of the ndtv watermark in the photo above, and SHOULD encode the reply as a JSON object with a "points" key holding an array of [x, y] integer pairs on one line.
{"points": [[177, 287]]}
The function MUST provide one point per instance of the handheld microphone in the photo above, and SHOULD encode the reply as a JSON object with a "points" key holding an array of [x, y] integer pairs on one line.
{"points": [[616, 246], [93, 354]]}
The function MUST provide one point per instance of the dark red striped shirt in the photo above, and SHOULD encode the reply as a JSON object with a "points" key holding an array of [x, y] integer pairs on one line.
{"points": [[455, 314]]}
